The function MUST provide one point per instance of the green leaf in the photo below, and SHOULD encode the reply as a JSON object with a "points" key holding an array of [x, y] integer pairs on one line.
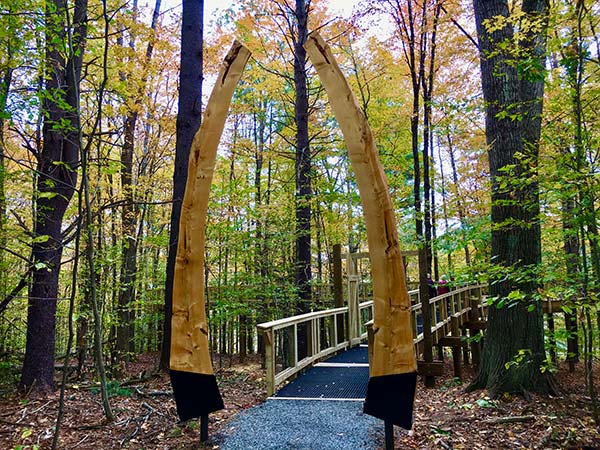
{"points": [[47, 195], [40, 239], [26, 433], [442, 431], [486, 403]]}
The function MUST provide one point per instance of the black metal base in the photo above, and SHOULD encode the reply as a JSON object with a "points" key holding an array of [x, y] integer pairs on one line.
{"points": [[391, 398], [196, 394]]}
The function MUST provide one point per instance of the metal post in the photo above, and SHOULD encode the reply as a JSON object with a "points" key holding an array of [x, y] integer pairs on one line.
{"points": [[389, 435], [204, 428]]}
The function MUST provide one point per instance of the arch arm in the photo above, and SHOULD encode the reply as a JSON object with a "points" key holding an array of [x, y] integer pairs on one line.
{"points": [[194, 384], [391, 390]]}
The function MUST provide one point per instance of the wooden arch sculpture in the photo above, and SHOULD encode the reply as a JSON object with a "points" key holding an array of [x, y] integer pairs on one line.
{"points": [[391, 389]]}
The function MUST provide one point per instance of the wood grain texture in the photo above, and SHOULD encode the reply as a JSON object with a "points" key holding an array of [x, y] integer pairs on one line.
{"points": [[393, 350], [189, 339]]}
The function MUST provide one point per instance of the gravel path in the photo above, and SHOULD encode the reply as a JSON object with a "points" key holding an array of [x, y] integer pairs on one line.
{"points": [[303, 425]]}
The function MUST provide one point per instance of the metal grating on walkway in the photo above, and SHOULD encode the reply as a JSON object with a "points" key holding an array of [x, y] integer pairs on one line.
{"points": [[354, 355], [343, 377]]}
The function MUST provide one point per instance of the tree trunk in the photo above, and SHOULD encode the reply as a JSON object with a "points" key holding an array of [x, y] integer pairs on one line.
{"points": [[514, 350], [57, 177], [129, 213], [445, 205], [4, 90], [459, 204], [302, 169], [188, 122], [303, 162], [571, 247]]}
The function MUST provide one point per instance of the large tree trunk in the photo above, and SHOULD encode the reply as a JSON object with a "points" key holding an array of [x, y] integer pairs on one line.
{"points": [[303, 167], [303, 161], [514, 348], [57, 176], [188, 122]]}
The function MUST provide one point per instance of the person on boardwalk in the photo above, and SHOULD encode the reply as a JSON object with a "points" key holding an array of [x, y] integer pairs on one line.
{"points": [[431, 286], [442, 286]]}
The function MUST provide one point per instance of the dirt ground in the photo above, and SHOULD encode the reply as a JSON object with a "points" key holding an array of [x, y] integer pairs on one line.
{"points": [[446, 417]]}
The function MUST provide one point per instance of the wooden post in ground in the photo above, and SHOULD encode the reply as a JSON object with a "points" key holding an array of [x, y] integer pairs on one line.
{"points": [[204, 428], [465, 349]]}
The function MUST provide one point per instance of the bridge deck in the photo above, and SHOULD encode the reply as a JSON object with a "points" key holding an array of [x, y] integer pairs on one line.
{"points": [[341, 377]]}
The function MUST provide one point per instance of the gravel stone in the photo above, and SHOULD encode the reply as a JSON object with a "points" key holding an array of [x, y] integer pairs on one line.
{"points": [[303, 425]]}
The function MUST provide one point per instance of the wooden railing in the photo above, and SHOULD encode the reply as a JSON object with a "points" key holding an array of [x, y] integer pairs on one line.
{"points": [[294, 343], [458, 303]]}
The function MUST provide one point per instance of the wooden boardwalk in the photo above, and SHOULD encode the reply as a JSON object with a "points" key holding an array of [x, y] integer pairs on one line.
{"points": [[295, 343]]}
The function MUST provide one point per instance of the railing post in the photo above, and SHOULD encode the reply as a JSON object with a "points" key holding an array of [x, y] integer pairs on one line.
{"points": [[269, 360], [456, 351], [338, 289], [353, 312], [475, 346], [295, 345], [336, 323], [316, 336]]}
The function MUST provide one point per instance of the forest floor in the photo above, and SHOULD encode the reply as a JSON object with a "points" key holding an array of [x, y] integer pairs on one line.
{"points": [[446, 416]]}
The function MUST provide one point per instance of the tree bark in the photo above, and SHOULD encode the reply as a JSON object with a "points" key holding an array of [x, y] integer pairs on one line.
{"points": [[57, 176], [571, 248], [4, 90], [188, 122], [130, 210], [459, 204], [302, 169], [303, 161], [514, 350]]}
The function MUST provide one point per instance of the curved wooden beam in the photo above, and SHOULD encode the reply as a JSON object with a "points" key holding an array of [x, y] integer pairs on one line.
{"points": [[194, 384], [391, 390]]}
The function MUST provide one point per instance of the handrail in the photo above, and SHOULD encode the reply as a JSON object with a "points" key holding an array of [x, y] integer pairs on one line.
{"points": [[287, 321]]}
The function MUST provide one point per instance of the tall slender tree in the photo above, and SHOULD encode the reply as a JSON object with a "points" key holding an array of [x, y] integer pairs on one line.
{"points": [[130, 211]]}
